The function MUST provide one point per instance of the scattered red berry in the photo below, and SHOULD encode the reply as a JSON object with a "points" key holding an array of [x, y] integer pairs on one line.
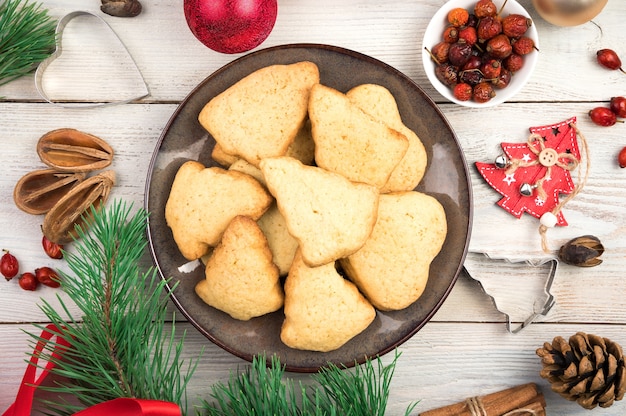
{"points": [[52, 249], [618, 106], [463, 91], [608, 58], [621, 158], [47, 276], [9, 266], [28, 281], [603, 116]]}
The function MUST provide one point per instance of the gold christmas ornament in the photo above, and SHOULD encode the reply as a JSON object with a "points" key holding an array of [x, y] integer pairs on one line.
{"points": [[569, 12]]}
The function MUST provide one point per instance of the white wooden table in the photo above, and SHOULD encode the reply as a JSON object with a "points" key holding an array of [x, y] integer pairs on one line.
{"points": [[466, 349]]}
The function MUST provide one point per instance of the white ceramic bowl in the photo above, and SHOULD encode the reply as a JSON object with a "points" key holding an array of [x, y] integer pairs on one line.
{"points": [[433, 36]]}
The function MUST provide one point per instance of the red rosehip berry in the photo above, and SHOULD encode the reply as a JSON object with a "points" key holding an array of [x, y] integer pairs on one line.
{"points": [[603, 116], [621, 158], [47, 276], [515, 25], [491, 68], [458, 17], [52, 249], [523, 45], [484, 8], [468, 33], [463, 91], [499, 46], [451, 34], [28, 281], [618, 106], [483, 92], [9, 266], [608, 58]]}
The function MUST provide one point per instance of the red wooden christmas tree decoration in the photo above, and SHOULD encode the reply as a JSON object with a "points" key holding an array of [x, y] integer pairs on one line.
{"points": [[530, 176]]}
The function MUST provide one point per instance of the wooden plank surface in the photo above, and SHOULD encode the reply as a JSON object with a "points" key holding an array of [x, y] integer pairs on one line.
{"points": [[465, 350]]}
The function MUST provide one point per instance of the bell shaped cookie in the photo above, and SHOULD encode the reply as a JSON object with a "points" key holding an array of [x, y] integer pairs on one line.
{"points": [[392, 268]]}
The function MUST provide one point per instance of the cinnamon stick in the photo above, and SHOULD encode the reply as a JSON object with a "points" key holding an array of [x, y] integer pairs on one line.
{"points": [[525, 396]]}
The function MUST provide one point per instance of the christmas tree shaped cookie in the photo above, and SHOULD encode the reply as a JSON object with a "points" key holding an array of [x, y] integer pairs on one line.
{"points": [[241, 279], [323, 311], [330, 216]]}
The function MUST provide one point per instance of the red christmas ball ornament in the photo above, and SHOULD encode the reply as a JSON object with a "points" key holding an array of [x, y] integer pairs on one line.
{"points": [[231, 26]]}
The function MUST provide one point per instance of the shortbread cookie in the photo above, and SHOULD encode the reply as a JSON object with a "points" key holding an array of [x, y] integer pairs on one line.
{"points": [[330, 216], [323, 311], [392, 268], [260, 115], [203, 201], [378, 102], [240, 277], [350, 142], [282, 244]]}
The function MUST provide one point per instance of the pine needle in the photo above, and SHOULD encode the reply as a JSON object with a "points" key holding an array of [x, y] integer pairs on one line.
{"points": [[263, 390], [27, 37], [119, 345]]}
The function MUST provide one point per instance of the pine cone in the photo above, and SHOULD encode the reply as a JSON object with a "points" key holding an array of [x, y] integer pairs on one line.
{"points": [[588, 369]]}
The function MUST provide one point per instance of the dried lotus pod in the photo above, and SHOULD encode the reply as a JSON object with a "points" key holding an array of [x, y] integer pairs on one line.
{"points": [[38, 191], [72, 150], [75, 208]]}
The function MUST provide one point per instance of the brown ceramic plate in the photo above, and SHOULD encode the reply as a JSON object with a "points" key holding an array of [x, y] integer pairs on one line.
{"points": [[446, 178]]}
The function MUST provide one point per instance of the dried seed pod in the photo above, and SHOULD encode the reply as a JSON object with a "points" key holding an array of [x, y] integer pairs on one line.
{"points": [[121, 8], [75, 208], [582, 251], [72, 150], [38, 191]]}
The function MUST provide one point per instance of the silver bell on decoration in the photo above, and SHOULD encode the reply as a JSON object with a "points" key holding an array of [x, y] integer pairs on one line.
{"points": [[501, 162], [569, 12], [526, 189]]}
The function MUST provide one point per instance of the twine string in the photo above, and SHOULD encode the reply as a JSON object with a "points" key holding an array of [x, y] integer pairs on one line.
{"points": [[570, 164], [476, 408], [581, 181]]}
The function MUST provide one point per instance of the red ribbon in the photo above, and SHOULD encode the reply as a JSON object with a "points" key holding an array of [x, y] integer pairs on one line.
{"points": [[120, 407], [132, 407]]}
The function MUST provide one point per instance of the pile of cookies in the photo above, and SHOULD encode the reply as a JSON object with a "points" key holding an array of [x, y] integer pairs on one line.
{"points": [[316, 188]]}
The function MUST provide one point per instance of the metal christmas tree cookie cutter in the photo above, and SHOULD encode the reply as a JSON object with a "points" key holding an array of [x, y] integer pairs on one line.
{"points": [[543, 300], [115, 76]]}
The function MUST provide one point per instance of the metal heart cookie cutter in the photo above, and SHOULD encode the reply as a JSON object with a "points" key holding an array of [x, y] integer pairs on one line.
{"points": [[91, 66], [520, 289]]}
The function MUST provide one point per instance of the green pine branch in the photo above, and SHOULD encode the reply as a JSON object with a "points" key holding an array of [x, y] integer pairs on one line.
{"points": [[27, 37], [262, 389], [119, 345]]}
